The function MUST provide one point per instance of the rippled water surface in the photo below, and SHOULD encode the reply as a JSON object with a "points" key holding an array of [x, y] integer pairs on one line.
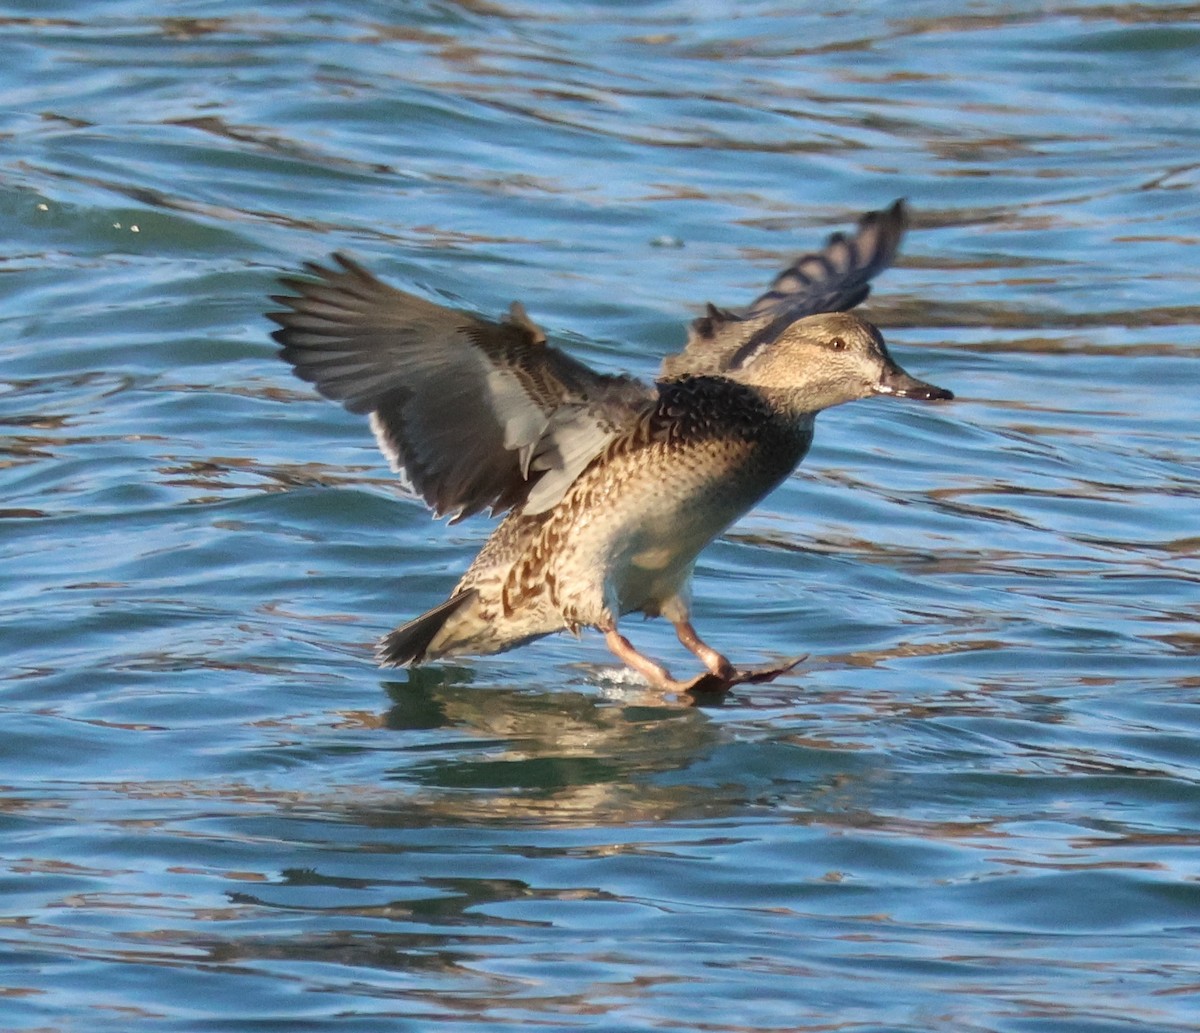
{"points": [[974, 808]]}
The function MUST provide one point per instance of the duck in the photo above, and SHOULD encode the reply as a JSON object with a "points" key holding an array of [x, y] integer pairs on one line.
{"points": [[609, 487]]}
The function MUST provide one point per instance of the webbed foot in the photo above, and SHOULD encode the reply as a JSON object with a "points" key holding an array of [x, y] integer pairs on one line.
{"points": [[710, 682]]}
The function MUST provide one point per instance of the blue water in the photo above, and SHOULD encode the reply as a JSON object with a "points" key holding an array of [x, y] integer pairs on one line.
{"points": [[976, 807]]}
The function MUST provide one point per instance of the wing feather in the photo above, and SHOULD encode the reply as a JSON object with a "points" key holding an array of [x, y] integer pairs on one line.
{"points": [[834, 279], [477, 414]]}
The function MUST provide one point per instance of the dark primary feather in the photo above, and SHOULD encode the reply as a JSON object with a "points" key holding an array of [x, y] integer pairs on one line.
{"points": [[834, 279], [478, 414]]}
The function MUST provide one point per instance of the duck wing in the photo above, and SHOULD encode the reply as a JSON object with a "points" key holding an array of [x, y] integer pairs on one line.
{"points": [[834, 279], [478, 414]]}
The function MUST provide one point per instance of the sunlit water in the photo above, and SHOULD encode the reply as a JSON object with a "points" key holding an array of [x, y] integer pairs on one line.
{"points": [[975, 808]]}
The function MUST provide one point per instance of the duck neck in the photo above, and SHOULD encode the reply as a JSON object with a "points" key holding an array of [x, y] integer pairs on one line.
{"points": [[793, 404], [791, 422]]}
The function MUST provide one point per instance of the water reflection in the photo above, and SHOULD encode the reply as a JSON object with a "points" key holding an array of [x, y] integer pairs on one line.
{"points": [[556, 758]]}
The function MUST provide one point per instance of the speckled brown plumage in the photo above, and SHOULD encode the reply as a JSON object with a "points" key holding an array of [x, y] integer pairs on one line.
{"points": [[612, 487]]}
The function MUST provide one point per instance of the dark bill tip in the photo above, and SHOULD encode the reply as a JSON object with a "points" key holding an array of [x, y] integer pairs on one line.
{"points": [[899, 384]]}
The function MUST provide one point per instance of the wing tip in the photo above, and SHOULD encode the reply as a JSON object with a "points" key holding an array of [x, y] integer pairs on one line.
{"points": [[340, 264], [892, 222], [350, 265]]}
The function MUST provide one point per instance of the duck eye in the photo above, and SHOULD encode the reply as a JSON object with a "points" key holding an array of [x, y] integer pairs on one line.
{"points": [[838, 344]]}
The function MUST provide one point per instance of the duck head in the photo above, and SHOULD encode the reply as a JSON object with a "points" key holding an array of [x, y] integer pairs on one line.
{"points": [[824, 360]]}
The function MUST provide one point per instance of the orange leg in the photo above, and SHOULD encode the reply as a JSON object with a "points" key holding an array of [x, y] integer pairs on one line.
{"points": [[656, 674], [711, 659], [721, 675]]}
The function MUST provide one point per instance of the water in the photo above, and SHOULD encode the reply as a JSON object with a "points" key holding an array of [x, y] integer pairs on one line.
{"points": [[975, 808]]}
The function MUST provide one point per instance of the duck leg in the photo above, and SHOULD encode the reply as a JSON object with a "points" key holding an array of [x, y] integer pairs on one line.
{"points": [[720, 677], [722, 674], [655, 673], [711, 659]]}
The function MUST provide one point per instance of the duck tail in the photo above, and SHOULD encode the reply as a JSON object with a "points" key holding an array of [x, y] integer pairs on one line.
{"points": [[409, 643]]}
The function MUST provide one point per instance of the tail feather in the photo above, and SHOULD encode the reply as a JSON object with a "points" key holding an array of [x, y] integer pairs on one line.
{"points": [[409, 642]]}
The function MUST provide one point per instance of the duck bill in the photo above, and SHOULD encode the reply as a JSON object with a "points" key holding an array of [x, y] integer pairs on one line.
{"points": [[899, 384]]}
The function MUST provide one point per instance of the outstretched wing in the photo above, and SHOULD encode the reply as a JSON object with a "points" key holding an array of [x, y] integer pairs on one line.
{"points": [[478, 414], [834, 279]]}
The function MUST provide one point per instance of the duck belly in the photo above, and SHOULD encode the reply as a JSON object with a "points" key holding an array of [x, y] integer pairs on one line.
{"points": [[633, 547]]}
